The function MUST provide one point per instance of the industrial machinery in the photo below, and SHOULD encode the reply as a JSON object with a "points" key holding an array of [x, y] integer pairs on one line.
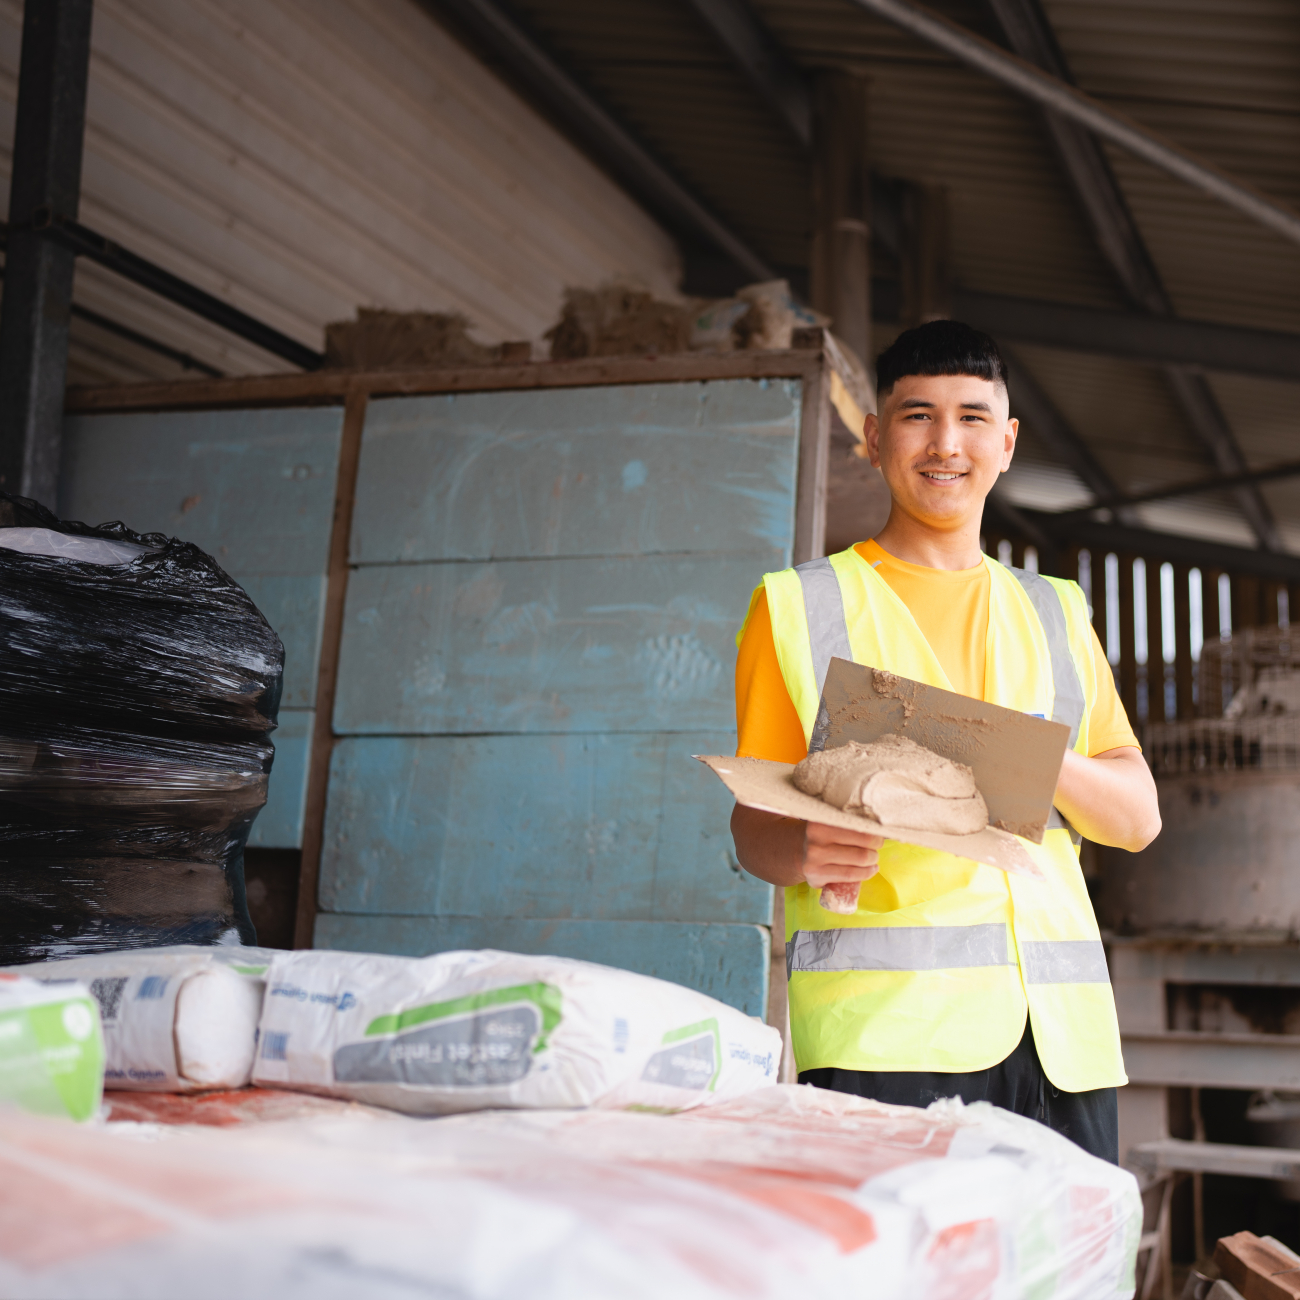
{"points": [[1203, 926]]}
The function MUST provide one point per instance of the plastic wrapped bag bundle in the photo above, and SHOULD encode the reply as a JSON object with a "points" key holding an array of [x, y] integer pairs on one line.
{"points": [[787, 1191], [177, 1019], [51, 1052], [466, 1031], [138, 688]]}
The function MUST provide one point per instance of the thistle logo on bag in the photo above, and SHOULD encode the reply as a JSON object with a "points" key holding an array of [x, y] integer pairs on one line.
{"points": [[107, 991], [470, 1042], [692, 1061]]}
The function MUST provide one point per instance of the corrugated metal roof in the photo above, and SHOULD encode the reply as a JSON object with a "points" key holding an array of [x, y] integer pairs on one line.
{"points": [[1220, 77], [301, 158]]}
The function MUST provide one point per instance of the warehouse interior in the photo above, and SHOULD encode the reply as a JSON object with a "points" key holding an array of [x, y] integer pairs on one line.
{"points": [[204, 196]]}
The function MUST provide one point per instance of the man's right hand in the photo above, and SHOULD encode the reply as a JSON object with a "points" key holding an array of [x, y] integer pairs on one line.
{"points": [[785, 851], [832, 855]]}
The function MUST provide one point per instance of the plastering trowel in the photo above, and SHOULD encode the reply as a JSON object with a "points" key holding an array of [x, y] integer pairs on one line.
{"points": [[1015, 758]]}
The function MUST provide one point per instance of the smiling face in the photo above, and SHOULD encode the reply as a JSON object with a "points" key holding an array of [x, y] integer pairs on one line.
{"points": [[940, 442]]}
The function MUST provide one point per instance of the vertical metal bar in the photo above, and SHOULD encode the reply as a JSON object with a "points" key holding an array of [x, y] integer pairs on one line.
{"points": [[1211, 688], [1155, 646], [1183, 641], [841, 244], [1271, 590], [322, 737], [1127, 644], [1245, 601], [1198, 1182], [48, 134], [1099, 596]]}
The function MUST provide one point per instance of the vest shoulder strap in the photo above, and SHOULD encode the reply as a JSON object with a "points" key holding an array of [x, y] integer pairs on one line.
{"points": [[823, 602], [1068, 700]]}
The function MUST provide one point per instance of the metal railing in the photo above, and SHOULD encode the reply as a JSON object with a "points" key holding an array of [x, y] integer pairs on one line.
{"points": [[1183, 644]]}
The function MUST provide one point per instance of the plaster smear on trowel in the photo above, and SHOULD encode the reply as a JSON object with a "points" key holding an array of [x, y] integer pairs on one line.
{"points": [[898, 783], [891, 686]]}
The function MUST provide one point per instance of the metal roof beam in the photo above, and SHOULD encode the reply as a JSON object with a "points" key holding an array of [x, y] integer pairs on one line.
{"points": [[1131, 336], [591, 124], [1086, 164], [1117, 235], [1055, 432], [1073, 531], [772, 72], [1207, 421], [1216, 483], [1051, 92]]}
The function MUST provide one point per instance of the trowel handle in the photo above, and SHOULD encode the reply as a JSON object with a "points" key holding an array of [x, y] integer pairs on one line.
{"points": [[841, 897]]}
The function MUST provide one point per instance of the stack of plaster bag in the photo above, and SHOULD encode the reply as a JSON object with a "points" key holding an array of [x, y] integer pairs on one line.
{"points": [[175, 1019], [786, 1191], [459, 1031]]}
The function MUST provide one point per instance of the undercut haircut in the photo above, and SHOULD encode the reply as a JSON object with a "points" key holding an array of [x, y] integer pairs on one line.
{"points": [[940, 347]]}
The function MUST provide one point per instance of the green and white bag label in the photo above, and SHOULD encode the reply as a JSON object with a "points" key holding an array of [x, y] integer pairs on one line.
{"points": [[51, 1048], [470, 1042]]}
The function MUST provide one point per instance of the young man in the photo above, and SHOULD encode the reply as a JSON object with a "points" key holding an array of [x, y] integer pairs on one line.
{"points": [[952, 978]]}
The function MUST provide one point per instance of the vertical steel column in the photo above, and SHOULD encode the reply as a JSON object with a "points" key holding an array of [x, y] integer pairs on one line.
{"points": [[841, 246], [48, 136], [926, 289]]}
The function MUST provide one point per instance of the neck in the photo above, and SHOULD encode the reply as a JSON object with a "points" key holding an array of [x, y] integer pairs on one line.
{"points": [[916, 542]]}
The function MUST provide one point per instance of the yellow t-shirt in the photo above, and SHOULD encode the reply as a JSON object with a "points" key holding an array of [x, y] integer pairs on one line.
{"points": [[952, 610]]}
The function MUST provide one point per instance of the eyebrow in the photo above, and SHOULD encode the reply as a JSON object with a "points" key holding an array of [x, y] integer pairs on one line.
{"points": [[910, 402]]}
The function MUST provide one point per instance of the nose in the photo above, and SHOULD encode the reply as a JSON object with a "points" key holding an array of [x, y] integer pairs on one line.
{"points": [[945, 436]]}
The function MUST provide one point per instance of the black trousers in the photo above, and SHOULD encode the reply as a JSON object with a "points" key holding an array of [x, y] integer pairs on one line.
{"points": [[1018, 1084]]}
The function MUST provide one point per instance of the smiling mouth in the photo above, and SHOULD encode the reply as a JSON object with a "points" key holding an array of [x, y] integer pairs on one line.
{"points": [[942, 475]]}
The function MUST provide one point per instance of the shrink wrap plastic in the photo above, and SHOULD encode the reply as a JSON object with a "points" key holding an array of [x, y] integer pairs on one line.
{"points": [[175, 1019], [138, 688], [784, 1192], [470, 1030]]}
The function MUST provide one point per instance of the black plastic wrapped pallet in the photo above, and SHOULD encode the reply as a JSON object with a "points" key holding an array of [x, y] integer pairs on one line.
{"points": [[137, 698]]}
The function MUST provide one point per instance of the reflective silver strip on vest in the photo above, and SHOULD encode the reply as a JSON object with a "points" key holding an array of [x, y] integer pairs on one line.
{"points": [[899, 947], [1068, 702], [823, 603], [1064, 961]]}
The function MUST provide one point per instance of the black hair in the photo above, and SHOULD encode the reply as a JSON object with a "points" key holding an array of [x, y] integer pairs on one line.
{"points": [[940, 347]]}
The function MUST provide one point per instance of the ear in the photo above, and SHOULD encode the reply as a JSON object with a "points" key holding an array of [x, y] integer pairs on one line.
{"points": [[1009, 443], [872, 431]]}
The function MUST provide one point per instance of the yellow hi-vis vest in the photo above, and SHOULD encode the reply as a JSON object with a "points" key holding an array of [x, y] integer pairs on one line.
{"points": [[936, 969]]}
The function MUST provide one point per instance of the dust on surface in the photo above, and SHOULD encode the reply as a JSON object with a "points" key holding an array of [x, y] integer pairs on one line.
{"points": [[891, 686], [1027, 830], [897, 782]]}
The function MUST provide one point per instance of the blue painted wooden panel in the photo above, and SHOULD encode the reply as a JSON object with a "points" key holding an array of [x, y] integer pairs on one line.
{"points": [[279, 824], [707, 467], [600, 827], [295, 607], [728, 962], [627, 644], [255, 489]]}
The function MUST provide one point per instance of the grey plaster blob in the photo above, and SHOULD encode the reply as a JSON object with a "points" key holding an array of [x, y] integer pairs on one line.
{"points": [[898, 783]]}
